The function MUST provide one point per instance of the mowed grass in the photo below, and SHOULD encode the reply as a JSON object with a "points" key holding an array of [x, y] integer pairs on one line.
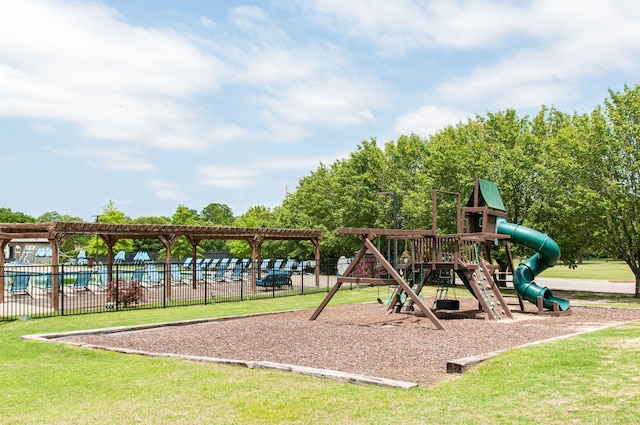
{"points": [[593, 269], [589, 379]]}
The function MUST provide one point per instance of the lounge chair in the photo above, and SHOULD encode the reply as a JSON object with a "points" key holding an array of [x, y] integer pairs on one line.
{"points": [[221, 270], [264, 265], [238, 271], [176, 274], [20, 283], [138, 272], [151, 276], [277, 264], [290, 266], [205, 263], [82, 280], [100, 280]]}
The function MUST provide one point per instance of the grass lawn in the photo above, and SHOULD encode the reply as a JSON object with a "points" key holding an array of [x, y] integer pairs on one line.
{"points": [[593, 269], [590, 379]]}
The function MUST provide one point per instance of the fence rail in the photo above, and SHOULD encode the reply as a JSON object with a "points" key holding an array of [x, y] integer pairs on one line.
{"points": [[85, 289]]}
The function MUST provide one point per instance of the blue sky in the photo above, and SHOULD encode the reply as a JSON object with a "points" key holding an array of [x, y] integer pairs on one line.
{"points": [[153, 104]]}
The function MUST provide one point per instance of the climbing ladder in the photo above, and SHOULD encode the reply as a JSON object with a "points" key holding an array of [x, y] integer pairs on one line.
{"points": [[481, 282]]}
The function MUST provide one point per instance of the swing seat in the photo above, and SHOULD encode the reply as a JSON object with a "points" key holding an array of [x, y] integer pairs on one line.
{"points": [[447, 305]]}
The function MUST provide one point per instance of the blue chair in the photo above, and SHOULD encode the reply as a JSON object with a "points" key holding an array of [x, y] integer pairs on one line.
{"points": [[20, 283], [264, 265], [221, 270], [151, 276], [238, 271], [176, 274], [101, 280], [290, 266], [82, 280], [138, 272], [277, 264]]}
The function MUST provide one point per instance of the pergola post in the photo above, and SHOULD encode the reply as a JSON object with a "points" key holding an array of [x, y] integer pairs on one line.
{"points": [[3, 244]]}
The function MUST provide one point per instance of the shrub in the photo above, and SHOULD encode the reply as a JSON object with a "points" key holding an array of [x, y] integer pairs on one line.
{"points": [[126, 293]]}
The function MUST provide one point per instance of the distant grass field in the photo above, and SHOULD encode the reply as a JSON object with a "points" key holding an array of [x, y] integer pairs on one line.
{"points": [[593, 269], [590, 379]]}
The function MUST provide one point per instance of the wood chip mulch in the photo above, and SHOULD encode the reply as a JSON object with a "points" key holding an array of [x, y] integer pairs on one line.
{"points": [[362, 339]]}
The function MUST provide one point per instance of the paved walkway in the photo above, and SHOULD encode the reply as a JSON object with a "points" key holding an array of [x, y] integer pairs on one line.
{"points": [[608, 286]]}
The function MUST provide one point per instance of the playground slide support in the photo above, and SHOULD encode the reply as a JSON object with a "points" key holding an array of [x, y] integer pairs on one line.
{"points": [[546, 256]]}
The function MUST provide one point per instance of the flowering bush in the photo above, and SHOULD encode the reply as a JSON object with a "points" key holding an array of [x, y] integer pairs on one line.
{"points": [[126, 293]]}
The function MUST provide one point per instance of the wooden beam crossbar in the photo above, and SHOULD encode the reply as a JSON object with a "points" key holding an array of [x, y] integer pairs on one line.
{"points": [[366, 236]]}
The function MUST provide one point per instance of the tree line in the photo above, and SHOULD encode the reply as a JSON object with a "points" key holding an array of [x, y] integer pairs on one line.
{"points": [[573, 175]]}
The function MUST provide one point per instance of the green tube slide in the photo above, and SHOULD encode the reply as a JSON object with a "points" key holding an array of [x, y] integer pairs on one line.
{"points": [[547, 255]]}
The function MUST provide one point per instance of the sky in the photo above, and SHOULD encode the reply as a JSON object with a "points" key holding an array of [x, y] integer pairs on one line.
{"points": [[152, 104]]}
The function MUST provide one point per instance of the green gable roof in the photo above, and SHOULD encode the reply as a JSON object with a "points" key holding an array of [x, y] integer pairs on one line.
{"points": [[489, 196]]}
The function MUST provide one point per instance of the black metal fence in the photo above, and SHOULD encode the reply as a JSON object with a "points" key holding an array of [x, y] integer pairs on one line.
{"points": [[85, 289]]}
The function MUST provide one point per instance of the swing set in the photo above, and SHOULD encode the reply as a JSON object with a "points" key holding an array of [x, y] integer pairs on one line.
{"points": [[437, 259]]}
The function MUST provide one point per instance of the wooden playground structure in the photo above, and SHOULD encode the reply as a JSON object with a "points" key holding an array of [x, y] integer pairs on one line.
{"points": [[481, 228]]}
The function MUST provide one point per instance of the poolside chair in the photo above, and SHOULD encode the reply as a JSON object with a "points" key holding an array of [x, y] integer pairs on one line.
{"points": [[205, 263], [138, 272], [100, 281], [264, 265], [277, 264], [237, 272], [40, 256], [176, 274], [151, 276], [290, 266], [221, 270], [82, 280], [36, 283], [20, 284]]}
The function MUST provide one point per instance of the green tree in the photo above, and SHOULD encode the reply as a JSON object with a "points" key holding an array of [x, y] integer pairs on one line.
{"points": [[188, 217], [8, 216], [256, 216], [75, 242], [216, 215], [615, 193], [150, 245], [110, 214], [53, 216]]}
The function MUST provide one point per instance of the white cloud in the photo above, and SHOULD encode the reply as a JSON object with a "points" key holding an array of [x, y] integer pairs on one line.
{"points": [[81, 63], [428, 119], [121, 159], [579, 43], [226, 177], [167, 190], [538, 51], [332, 101], [406, 24], [227, 133]]}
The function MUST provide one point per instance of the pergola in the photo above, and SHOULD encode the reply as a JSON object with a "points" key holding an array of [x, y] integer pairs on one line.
{"points": [[58, 232]]}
